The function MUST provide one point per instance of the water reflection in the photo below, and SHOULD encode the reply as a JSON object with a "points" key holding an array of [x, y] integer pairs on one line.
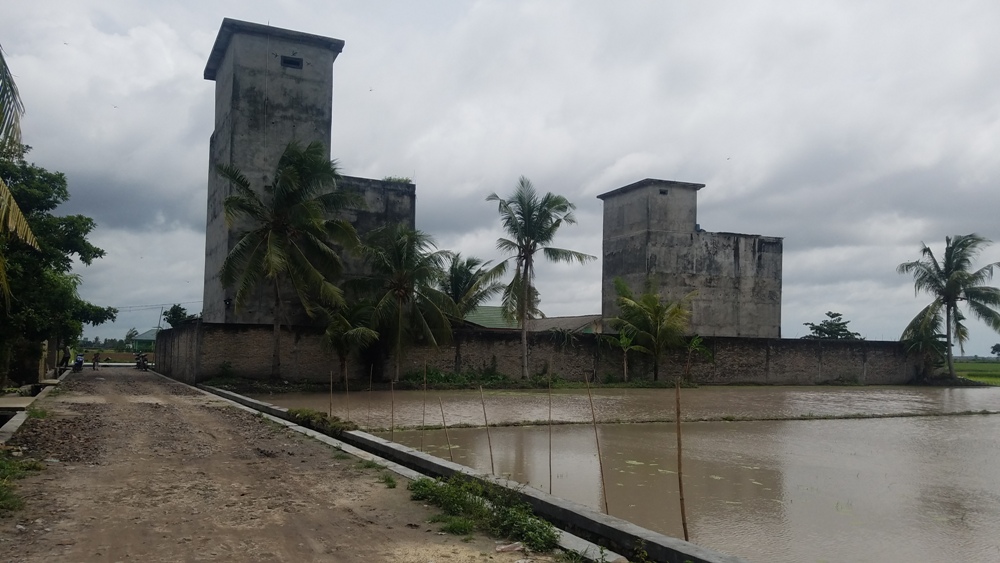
{"points": [[912, 489], [895, 489], [572, 405]]}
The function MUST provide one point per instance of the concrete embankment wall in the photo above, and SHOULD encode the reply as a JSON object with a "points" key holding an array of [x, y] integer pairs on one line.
{"points": [[612, 533], [198, 351]]}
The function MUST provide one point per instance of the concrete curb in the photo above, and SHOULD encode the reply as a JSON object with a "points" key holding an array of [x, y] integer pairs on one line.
{"points": [[7, 430], [575, 519]]}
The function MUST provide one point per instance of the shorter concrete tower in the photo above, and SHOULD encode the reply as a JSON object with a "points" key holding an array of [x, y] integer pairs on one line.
{"points": [[651, 232]]}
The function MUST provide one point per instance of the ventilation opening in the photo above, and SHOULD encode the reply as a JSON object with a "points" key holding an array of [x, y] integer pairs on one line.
{"points": [[291, 62], [663, 191]]}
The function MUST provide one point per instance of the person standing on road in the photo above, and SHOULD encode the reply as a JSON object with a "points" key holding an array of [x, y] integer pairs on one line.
{"points": [[64, 362], [94, 361]]}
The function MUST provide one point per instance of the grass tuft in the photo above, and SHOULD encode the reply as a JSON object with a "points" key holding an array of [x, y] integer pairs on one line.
{"points": [[388, 480], [12, 468], [491, 508]]}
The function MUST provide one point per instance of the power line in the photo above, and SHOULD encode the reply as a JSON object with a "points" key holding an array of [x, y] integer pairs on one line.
{"points": [[150, 307]]}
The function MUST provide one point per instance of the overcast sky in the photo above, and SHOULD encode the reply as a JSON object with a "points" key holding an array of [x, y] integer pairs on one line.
{"points": [[855, 130]]}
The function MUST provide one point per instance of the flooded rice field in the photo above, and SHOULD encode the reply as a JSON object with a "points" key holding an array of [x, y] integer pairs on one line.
{"points": [[921, 488]]}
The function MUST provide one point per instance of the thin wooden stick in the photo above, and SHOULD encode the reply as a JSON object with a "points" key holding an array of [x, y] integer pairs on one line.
{"points": [[370, 368], [680, 480], [550, 433], [331, 392], [423, 416], [347, 395], [600, 461], [392, 411], [445, 424], [489, 441]]}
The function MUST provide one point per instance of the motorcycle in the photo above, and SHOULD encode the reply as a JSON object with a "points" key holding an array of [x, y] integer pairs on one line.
{"points": [[78, 363], [141, 362]]}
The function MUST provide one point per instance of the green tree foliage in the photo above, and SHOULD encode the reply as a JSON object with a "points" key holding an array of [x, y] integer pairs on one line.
{"points": [[657, 325], [531, 223], [995, 350], [626, 343], [695, 347], [293, 233], [950, 281], [45, 303], [405, 267], [923, 338], [348, 329], [130, 338], [13, 223], [833, 327], [177, 315], [469, 282]]}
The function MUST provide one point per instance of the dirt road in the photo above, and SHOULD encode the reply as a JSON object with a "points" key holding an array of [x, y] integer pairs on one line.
{"points": [[151, 470]]}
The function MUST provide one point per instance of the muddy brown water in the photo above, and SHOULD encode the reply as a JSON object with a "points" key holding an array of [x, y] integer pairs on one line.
{"points": [[923, 488]]}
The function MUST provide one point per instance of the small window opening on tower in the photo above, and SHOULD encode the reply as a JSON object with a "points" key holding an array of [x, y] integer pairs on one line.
{"points": [[291, 62], [663, 191]]}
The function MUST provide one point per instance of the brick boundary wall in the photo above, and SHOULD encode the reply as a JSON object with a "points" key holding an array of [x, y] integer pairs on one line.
{"points": [[198, 351]]}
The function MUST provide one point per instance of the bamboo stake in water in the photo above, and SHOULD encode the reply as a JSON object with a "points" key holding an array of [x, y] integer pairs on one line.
{"points": [[600, 461], [550, 434], [680, 480], [445, 424], [423, 416], [489, 441], [392, 411], [369, 425]]}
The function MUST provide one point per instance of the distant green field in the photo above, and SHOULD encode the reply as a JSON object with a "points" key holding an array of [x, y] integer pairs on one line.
{"points": [[985, 372]]}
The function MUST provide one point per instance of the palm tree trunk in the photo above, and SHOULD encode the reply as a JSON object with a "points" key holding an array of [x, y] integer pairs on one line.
{"points": [[399, 338], [951, 360], [276, 355], [458, 354], [625, 365], [656, 368], [524, 318]]}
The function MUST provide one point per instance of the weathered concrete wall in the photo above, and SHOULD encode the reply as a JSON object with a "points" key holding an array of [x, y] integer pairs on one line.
{"points": [[650, 233], [197, 351], [384, 203]]}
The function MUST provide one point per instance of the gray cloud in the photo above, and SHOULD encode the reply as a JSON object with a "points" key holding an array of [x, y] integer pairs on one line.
{"points": [[853, 130]]}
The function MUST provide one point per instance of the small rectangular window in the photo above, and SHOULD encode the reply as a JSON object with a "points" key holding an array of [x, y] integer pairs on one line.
{"points": [[663, 191], [291, 62]]}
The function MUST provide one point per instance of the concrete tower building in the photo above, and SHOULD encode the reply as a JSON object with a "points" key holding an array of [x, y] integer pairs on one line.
{"points": [[273, 86], [651, 232]]}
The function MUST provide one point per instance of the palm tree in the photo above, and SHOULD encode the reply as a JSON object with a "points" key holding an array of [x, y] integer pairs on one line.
{"points": [[405, 266], [923, 337], [469, 282], [531, 222], [695, 345], [347, 330], [624, 342], [291, 239], [952, 280], [656, 325], [12, 221]]}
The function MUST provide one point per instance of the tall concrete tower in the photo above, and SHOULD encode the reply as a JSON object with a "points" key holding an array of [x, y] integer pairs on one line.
{"points": [[272, 86], [651, 232]]}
